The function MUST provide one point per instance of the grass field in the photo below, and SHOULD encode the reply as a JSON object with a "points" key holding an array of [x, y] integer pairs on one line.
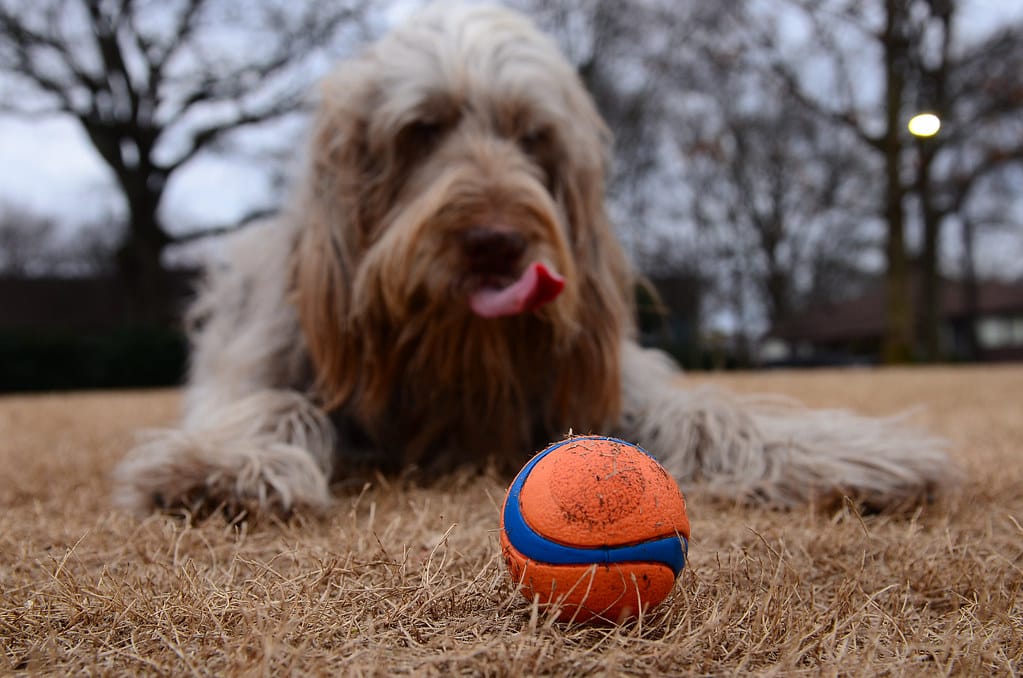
{"points": [[401, 579]]}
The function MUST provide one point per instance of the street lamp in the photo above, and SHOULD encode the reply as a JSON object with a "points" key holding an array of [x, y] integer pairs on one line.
{"points": [[924, 125]]}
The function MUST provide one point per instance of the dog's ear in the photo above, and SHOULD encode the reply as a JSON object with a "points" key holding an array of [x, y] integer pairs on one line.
{"points": [[329, 217], [580, 186], [605, 287]]}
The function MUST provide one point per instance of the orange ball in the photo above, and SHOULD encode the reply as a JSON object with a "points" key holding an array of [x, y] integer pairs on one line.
{"points": [[596, 526]]}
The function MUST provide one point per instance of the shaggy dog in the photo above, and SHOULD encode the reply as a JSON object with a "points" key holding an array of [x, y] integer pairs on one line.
{"points": [[445, 289]]}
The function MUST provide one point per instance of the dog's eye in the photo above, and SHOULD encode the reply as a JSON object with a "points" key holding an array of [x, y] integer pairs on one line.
{"points": [[423, 135], [540, 145], [535, 142]]}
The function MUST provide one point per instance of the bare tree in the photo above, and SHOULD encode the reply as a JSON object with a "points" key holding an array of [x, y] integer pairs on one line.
{"points": [[155, 84], [778, 194], [790, 154], [979, 93], [919, 64], [886, 25], [781, 194]]}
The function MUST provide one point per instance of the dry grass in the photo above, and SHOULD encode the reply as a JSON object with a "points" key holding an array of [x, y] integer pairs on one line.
{"points": [[404, 579]]}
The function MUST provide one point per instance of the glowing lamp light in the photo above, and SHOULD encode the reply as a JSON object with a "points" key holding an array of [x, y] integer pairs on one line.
{"points": [[924, 125]]}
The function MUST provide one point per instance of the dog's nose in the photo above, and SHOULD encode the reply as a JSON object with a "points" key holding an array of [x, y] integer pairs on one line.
{"points": [[492, 250]]}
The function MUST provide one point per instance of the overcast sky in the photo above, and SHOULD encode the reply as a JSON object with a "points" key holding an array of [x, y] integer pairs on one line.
{"points": [[47, 165]]}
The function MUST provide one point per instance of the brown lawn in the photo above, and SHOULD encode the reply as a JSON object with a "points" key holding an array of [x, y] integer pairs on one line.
{"points": [[401, 579]]}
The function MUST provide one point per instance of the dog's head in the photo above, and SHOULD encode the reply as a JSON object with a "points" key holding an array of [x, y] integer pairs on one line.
{"points": [[453, 221]]}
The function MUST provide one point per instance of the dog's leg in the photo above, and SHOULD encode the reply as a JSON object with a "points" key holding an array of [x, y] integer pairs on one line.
{"points": [[269, 450], [772, 450], [249, 437]]}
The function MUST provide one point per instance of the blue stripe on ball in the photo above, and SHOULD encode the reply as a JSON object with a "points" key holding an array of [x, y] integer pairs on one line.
{"points": [[670, 551]]}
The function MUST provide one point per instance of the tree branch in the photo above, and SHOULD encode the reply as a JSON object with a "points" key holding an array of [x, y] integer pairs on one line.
{"points": [[213, 133], [23, 40], [257, 214], [846, 119]]}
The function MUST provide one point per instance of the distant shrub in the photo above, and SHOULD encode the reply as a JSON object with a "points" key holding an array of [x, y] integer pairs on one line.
{"points": [[125, 357]]}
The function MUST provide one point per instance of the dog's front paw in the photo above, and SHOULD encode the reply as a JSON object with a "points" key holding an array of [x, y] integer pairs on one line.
{"points": [[199, 475]]}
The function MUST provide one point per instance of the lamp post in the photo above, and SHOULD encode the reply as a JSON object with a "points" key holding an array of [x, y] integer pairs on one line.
{"points": [[924, 125]]}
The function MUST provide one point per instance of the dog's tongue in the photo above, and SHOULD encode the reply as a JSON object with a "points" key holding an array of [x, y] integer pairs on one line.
{"points": [[537, 286]]}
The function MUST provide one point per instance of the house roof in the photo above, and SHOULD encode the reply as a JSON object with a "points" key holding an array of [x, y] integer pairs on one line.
{"points": [[864, 317]]}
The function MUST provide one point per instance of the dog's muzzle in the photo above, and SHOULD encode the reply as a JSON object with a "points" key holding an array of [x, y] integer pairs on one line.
{"points": [[501, 286]]}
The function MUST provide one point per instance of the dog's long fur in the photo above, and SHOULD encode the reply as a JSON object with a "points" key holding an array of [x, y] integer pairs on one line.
{"points": [[340, 334]]}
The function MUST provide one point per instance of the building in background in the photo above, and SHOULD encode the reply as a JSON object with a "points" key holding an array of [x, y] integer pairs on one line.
{"points": [[985, 324]]}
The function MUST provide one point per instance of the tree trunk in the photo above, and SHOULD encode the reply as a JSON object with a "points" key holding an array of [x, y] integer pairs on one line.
{"points": [[898, 340], [779, 294], [140, 271], [930, 278], [972, 293], [139, 258], [934, 86], [127, 149]]}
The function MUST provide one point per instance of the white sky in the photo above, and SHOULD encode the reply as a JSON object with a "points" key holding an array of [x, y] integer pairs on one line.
{"points": [[49, 167]]}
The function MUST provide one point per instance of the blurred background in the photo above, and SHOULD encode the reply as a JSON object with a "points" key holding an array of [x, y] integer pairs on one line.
{"points": [[765, 180]]}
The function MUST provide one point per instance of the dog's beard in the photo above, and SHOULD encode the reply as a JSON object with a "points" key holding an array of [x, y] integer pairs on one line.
{"points": [[457, 359], [462, 389]]}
